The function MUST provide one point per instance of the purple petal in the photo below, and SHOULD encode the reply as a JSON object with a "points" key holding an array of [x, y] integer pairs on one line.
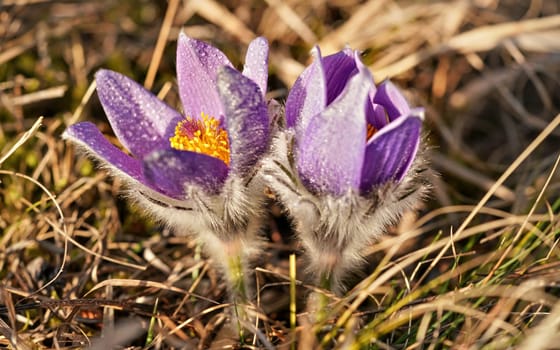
{"points": [[87, 135], [197, 68], [390, 152], [172, 170], [389, 96], [256, 63], [246, 119], [375, 114], [330, 154], [141, 121], [339, 68], [308, 96]]}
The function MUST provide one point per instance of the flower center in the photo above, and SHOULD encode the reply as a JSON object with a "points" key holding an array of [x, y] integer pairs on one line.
{"points": [[202, 136], [371, 130]]}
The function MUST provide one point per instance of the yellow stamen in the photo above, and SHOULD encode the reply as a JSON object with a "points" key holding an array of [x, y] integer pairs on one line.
{"points": [[202, 136], [371, 130]]}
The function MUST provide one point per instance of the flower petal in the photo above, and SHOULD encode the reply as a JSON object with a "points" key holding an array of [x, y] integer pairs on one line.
{"points": [[87, 135], [339, 68], [141, 121], [308, 96], [256, 63], [389, 96], [197, 67], [330, 154], [390, 152], [375, 114], [171, 170], [246, 119]]}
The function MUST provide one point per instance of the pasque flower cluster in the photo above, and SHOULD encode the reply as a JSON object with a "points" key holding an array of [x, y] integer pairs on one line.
{"points": [[345, 166]]}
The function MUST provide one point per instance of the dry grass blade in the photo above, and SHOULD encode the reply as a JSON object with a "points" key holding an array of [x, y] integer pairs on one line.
{"points": [[478, 39], [13, 338], [63, 231], [472, 176], [362, 17], [522, 157], [87, 96], [520, 231], [160, 45], [145, 284], [292, 19], [219, 14], [540, 337], [47, 94], [22, 140]]}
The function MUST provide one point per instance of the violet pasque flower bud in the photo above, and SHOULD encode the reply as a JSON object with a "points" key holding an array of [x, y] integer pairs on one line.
{"points": [[347, 165]]}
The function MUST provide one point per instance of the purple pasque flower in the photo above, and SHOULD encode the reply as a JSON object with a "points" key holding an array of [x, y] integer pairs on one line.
{"points": [[339, 146], [193, 170], [347, 165]]}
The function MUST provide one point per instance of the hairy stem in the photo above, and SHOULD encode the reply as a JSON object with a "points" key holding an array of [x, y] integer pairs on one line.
{"points": [[237, 278], [236, 275], [325, 282]]}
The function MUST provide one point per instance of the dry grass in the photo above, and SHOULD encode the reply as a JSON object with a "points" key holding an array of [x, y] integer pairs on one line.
{"points": [[479, 267]]}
